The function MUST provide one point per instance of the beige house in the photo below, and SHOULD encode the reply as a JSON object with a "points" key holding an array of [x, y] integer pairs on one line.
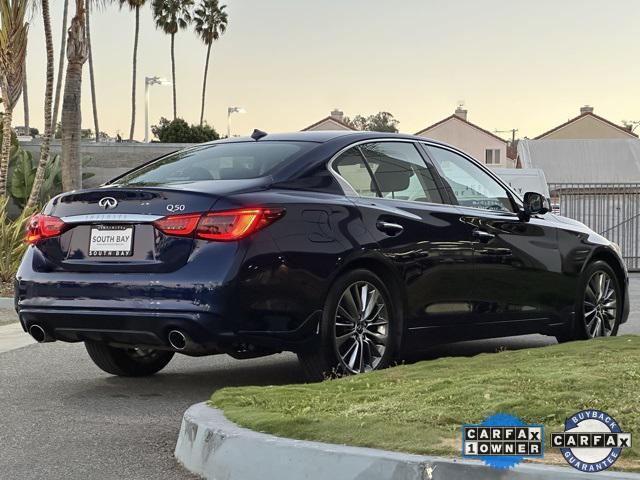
{"points": [[481, 144], [587, 125], [335, 121]]}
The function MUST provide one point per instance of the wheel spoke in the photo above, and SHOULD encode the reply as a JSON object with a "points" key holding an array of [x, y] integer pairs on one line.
{"points": [[373, 348], [596, 327], [600, 284], [381, 339], [591, 312], [346, 316], [591, 294], [350, 303], [349, 350], [354, 355], [372, 303], [379, 323], [364, 295], [343, 338]]}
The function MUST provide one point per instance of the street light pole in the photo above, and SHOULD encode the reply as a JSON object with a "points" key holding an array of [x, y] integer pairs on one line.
{"points": [[148, 81], [231, 110]]}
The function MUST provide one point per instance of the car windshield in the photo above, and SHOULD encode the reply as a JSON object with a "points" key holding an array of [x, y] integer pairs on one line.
{"points": [[222, 161]]}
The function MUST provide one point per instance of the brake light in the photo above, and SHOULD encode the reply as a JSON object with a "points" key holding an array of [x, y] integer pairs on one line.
{"points": [[44, 226], [179, 225], [222, 226]]}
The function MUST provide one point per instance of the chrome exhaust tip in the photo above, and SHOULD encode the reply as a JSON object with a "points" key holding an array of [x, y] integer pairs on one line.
{"points": [[177, 339], [38, 334]]}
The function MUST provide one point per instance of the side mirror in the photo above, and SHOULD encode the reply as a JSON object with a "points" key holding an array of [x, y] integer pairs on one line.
{"points": [[534, 203]]}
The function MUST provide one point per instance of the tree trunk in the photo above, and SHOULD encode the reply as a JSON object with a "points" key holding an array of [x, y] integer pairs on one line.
{"points": [[34, 197], [133, 81], [173, 74], [71, 125], [6, 145], [25, 101], [204, 83], [63, 48], [77, 53], [92, 78]]}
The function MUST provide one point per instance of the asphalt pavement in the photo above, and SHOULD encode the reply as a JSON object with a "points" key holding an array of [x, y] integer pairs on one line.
{"points": [[62, 417]]}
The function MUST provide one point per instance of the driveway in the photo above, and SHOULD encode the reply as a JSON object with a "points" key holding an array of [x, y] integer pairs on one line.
{"points": [[63, 418]]}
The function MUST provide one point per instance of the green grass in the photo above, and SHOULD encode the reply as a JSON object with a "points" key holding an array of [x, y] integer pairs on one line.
{"points": [[419, 408]]}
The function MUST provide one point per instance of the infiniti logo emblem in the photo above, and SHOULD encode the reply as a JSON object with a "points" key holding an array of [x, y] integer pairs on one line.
{"points": [[108, 202]]}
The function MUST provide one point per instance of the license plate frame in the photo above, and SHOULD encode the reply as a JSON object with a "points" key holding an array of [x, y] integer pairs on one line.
{"points": [[101, 247]]}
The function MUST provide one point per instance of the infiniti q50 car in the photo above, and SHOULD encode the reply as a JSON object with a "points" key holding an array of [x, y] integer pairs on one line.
{"points": [[348, 248]]}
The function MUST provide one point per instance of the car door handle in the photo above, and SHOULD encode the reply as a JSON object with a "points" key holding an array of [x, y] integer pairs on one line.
{"points": [[483, 236], [389, 228]]}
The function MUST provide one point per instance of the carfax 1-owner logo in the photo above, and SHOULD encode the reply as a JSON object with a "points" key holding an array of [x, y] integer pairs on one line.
{"points": [[592, 441], [502, 441]]}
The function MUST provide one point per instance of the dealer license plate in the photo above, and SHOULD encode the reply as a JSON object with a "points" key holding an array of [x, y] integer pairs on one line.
{"points": [[111, 241]]}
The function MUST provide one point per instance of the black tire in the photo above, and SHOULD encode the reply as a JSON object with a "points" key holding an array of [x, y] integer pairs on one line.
{"points": [[127, 362], [324, 360], [580, 329]]}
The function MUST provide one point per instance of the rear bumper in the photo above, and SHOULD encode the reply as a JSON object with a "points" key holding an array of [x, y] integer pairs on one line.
{"points": [[206, 333]]}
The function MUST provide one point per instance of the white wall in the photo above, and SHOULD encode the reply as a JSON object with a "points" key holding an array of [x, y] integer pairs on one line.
{"points": [[468, 139]]}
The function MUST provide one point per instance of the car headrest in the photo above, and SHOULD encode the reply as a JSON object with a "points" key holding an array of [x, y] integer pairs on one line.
{"points": [[392, 177], [198, 173], [235, 173]]}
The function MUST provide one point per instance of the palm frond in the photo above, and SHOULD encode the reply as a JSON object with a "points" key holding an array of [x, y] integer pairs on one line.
{"points": [[13, 47]]}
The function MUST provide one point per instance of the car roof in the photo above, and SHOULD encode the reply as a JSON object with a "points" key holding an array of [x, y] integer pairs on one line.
{"points": [[321, 136]]}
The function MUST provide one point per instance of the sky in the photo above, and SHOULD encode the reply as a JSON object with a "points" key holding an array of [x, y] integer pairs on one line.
{"points": [[519, 64]]}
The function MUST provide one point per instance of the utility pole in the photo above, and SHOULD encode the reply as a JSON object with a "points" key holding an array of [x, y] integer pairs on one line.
{"points": [[512, 131]]}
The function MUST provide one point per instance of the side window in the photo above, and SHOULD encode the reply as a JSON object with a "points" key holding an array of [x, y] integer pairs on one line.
{"points": [[400, 172], [350, 165], [471, 186]]}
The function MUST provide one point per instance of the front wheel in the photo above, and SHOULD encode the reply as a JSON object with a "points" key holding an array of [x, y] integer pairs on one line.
{"points": [[128, 362], [358, 329], [599, 304]]}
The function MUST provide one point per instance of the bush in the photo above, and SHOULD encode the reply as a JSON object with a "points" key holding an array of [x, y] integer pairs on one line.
{"points": [[22, 173], [179, 131], [12, 244]]}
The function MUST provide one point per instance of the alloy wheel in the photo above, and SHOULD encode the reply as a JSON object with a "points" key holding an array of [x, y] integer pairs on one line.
{"points": [[361, 327], [600, 305]]}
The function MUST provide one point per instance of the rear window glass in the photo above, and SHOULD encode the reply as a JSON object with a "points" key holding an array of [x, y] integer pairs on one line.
{"points": [[231, 161]]}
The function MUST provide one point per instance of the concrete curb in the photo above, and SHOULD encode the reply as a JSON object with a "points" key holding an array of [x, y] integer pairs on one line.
{"points": [[212, 446]]}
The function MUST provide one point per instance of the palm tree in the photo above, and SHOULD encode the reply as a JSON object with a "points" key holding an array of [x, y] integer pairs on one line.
{"points": [[63, 47], [13, 50], [135, 6], [210, 19], [77, 54], [92, 82], [46, 139], [25, 98], [171, 16]]}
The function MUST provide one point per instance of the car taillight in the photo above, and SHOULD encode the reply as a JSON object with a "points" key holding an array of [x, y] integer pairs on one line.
{"points": [[44, 226], [180, 225], [221, 226]]}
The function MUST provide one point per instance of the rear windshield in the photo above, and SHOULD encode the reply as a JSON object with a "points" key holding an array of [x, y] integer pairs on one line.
{"points": [[223, 161]]}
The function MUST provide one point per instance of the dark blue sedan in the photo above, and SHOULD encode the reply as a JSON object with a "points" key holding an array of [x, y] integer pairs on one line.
{"points": [[348, 248]]}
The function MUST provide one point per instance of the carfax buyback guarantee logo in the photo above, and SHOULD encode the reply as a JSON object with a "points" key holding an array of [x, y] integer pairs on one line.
{"points": [[502, 441], [592, 441]]}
